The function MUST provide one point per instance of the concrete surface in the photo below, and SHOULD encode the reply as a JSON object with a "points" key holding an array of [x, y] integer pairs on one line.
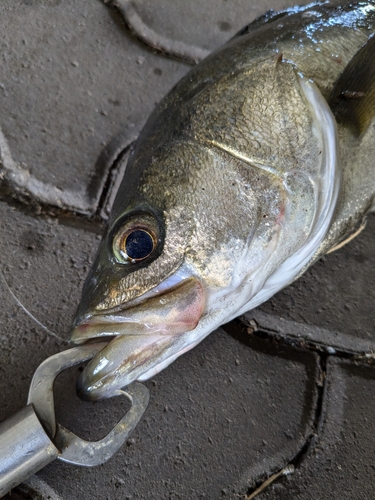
{"points": [[291, 384], [341, 462]]}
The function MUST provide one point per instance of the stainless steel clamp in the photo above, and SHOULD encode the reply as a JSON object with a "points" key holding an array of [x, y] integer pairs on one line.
{"points": [[31, 439]]}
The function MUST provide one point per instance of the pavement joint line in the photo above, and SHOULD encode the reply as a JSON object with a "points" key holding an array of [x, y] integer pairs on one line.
{"points": [[365, 356], [234, 328], [18, 183], [113, 181], [321, 389], [15, 183], [323, 351], [171, 48], [70, 218], [310, 442], [22, 181]]}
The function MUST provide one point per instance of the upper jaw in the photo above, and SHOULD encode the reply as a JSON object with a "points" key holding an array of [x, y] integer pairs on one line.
{"points": [[161, 311], [143, 330]]}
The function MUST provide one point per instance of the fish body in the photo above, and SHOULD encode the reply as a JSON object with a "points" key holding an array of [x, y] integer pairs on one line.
{"points": [[256, 164]]}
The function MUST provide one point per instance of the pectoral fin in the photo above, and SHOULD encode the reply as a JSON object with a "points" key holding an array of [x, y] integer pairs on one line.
{"points": [[353, 97]]}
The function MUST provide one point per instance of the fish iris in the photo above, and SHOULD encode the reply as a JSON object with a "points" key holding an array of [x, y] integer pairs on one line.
{"points": [[139, 244]]}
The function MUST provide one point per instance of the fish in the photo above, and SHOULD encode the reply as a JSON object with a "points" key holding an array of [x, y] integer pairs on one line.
{"points": [[256, 164]]}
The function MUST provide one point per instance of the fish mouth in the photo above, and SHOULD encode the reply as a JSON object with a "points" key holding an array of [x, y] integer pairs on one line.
{"points": [[142, 336]]}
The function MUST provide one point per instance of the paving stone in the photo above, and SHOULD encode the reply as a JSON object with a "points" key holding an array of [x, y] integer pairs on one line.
{"points": [[220, 417], [191, 30], [332, 303], [72, 80], [341, 463]]}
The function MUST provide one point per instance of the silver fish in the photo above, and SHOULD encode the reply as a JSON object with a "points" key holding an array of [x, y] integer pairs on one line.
{"points": [[257, 163]]}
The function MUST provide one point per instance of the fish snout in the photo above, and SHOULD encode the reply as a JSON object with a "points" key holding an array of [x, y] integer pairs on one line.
{"points": [[141, 336]]}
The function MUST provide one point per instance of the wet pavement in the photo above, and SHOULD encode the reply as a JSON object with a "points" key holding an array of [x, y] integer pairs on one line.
{"points": [[290, 384]]}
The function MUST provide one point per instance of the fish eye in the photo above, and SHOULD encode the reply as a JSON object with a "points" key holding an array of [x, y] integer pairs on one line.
{"points": [[134, 242], [139, 244]]}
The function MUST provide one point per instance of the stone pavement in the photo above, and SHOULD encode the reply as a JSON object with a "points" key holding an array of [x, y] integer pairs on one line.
{"points": [[287, 390]]}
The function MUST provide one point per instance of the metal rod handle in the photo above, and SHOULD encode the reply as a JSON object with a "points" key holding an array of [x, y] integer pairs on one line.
{"points": [[25, 448]]}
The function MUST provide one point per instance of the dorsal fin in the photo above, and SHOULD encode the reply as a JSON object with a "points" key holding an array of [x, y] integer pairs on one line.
{"points": [[353, 96]]}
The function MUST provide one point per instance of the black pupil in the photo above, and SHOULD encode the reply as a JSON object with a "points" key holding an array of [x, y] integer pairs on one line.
{"points": [[139, 244]]}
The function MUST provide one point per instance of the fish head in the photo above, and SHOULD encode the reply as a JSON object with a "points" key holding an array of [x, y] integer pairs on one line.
{"points": [[169, 252], [225, 200]]}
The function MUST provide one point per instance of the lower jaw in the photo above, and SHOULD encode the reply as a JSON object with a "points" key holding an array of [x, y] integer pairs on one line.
{"points": [[107, 372]]}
